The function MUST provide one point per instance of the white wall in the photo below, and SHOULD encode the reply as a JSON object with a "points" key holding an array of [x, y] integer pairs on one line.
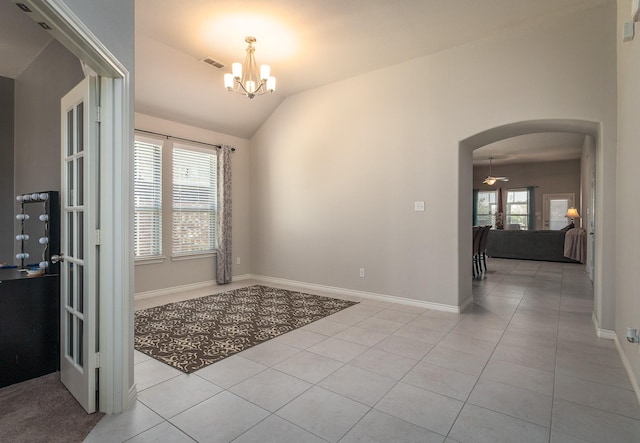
{"points": [[557, 177], [170, 273], [335, 171], [627, 310]]}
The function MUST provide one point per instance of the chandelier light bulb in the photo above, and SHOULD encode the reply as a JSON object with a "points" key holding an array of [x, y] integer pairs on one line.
{"points": [[271, 84], [228, 81], [265, 72], [236, 68]]}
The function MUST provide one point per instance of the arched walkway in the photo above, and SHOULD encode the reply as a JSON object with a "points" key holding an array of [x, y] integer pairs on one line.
{"points": [[466, 148]]}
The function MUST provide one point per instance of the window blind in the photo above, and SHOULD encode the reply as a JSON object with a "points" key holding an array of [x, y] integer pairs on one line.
{"points": [[194, 201], [147, 199]]}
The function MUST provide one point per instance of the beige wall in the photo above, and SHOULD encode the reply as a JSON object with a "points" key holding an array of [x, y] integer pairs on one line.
{"points": [[557, 177], [38, 90], [627, 309], [171, 273], [335, 171]]}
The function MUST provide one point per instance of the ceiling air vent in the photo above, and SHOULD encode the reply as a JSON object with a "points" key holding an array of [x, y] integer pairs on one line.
{"points": [[213, 62]]}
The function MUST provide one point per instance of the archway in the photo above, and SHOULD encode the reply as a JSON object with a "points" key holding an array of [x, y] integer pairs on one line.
{"points": [[465, 174]]}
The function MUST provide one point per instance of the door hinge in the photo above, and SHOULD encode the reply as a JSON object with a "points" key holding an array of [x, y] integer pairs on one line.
{"points": [[97, 239], [96, 359], [98, 114]]}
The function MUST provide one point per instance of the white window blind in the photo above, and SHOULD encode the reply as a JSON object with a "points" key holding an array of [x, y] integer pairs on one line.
{"points": [[194, 201], [486, 207], [517, 210], [147, 198]]}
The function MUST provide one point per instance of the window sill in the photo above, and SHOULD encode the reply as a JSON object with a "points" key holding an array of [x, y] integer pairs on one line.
{"points": [[150, 260], [196, 256]]}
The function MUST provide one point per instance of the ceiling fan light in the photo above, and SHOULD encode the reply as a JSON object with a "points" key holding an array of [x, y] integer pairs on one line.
{"points": [[490, 181]]}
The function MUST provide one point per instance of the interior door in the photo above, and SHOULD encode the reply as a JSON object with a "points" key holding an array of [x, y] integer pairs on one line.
{"points": [[555, 210], [79, 238]]}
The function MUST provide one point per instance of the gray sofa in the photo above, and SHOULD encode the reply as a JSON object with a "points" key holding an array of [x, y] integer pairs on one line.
{"points": [[527, 245]]}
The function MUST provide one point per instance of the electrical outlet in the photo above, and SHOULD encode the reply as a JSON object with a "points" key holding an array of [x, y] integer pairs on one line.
{"points": [[361, 272], [237, 260], [418, 206]]}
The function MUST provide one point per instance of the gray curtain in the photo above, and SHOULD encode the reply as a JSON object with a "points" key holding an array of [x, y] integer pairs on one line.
{"points": [[531, 209], [224, 259]]}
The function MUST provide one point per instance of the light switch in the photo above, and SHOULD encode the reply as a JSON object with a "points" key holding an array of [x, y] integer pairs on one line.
{"points": [[418, 206]]}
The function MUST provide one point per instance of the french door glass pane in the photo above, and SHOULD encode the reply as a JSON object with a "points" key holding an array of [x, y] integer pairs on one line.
{"points": [[80, 167], [70, 183], [70, 328], [70, 132], [558, 213], [80, 235], [80, 359], [80, 303], [80, 127]]}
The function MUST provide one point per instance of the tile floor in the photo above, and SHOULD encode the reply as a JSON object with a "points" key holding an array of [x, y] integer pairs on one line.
{"points": [[522, 365]]}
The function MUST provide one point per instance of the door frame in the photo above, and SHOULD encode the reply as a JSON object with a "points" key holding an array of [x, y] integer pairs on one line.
{"points": [[117, 389]]}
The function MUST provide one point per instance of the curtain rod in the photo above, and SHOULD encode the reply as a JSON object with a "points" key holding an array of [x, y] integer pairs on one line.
{"points": [[180, 138]]}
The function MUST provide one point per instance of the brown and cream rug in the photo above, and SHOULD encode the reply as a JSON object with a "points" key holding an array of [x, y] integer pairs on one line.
{"points": [[191, 334]]}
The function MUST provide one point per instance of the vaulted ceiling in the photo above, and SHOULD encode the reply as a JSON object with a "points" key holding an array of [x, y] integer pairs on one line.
{"points": [[308, 43]]}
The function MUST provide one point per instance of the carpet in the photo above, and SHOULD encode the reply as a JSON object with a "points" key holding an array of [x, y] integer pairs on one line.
{"points": [[192, 334], [42, 410]]}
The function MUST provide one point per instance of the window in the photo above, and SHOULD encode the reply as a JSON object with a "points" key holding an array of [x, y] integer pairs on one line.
{"points": [[517, 209], [147, 196], [485, 206], [194, 201]]}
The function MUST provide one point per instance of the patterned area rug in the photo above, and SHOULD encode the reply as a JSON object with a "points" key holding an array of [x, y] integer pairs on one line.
{"points": [[192, 334]]}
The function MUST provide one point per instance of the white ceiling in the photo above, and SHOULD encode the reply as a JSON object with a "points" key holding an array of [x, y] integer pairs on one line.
{"points": [[541, 147], [21, 40], [308, 43]]}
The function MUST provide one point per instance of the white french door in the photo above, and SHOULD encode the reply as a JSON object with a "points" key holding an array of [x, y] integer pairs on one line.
{"points": [[79, 239], [555, 210]]}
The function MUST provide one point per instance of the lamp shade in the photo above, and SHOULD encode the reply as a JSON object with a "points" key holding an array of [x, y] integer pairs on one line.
{"points": [[572, 213]]}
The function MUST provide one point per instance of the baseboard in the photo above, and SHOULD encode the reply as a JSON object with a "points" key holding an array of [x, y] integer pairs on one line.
{"points": [[310, 286], [189, 287], [242, 277], [468, 302], [356, 293], [174, 289], [133, 395], [627, 367], [611, 335], [602, 333]]}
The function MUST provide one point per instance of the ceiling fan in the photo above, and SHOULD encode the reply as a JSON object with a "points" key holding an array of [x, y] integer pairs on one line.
{"points": [[491, 180]]}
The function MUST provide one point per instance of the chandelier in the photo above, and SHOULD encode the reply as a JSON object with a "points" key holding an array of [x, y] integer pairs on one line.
{"points": [[246, 78]]}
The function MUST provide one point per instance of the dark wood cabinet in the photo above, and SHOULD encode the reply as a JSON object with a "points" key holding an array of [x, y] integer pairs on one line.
{"points": [[29, 326]]}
